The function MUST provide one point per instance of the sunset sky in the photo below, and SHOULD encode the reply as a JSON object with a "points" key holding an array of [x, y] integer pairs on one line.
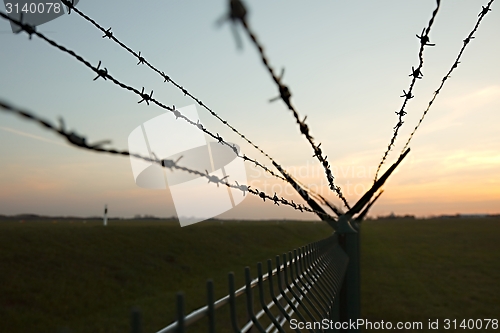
{"points": [[347, 64]]}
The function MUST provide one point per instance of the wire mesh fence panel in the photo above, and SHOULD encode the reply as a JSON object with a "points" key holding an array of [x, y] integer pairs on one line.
{"points": [[299, 286]]}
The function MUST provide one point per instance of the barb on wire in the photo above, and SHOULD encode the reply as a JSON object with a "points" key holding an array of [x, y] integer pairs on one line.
{"points": [[466, 42], [424, 39], [242, 188], [146, 98], [70, 5], [214, 179], [29, 29], [416, 73], [101, 72], [80, 141], [237, 13], [484, 11], [108, 33], [141, 60]]}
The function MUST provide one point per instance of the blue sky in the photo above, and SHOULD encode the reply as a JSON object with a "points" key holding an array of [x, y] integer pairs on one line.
{"points": [[346, 65]]}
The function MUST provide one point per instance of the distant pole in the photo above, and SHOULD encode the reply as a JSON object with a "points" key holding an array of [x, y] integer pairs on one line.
{"points": [[105, 220]]}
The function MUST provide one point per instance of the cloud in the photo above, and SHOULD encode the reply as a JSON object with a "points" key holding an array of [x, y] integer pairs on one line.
{"points": [[36, 137], [455, 109]]}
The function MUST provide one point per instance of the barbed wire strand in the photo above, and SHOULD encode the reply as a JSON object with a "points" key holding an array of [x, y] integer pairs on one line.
{"points": [[237, 13], [80, 141], [103, 73], [416, 73], [141, 60], [466, 42]]}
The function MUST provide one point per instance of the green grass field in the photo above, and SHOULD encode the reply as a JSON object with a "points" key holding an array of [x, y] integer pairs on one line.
{"points": [[431, 269], [87, 277]]}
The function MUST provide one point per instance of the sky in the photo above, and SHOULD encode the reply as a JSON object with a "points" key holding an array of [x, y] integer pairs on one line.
{"points": [[346, 63]]}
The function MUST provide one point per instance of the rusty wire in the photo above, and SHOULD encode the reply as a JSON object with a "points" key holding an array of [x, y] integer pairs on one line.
{"points": [[80, 141], [238, 13], [466, 42], [416, 73]]}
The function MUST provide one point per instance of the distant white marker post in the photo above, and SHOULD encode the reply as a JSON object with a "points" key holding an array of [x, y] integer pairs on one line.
{"points": [[105, 220]]}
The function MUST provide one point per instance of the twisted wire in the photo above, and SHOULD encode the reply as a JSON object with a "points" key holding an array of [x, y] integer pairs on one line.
{"points": [[415, 74], [466, 42]]}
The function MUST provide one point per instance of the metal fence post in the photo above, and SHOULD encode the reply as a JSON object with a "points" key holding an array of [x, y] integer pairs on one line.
{"points": [[136, 321], [335, 314], [350, 293]]}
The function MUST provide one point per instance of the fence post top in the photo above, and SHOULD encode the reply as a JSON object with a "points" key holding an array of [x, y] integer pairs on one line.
{"points": [[344, 225]]}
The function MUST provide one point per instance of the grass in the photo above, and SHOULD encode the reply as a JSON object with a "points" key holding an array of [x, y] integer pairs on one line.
{"points": [[431, 269], [87, 277]]}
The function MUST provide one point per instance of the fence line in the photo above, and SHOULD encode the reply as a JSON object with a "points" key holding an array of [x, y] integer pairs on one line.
{"points": [[416, 73], [466, 41], [336, 299], [314, 271]]}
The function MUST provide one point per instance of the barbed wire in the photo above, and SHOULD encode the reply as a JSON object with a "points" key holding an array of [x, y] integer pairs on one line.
{"points": [[103, 73], [237, 13], [416, 73], [80, 141], [141, 60], [109, 34], [145, 97], [466, 42]]}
